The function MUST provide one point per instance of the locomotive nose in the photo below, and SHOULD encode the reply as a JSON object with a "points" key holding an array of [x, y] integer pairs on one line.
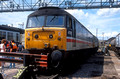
{"points": [[50, 38]]}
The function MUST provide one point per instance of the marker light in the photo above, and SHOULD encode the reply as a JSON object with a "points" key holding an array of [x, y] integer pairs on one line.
{"points": [[36, 36], [50, 36]]}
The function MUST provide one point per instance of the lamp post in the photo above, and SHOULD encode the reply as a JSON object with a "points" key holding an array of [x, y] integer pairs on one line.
{"points": [[96, 31], [103, 37], [21, 25]]}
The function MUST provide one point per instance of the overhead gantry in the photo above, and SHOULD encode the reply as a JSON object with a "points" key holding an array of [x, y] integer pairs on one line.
{"points": [[32, 5]]}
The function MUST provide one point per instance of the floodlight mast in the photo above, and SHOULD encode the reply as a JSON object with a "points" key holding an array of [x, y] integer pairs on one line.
{"points": [[32, 5]]}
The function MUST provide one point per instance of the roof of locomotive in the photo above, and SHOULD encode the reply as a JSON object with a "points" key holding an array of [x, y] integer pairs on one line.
{"points": [[49, 11]]}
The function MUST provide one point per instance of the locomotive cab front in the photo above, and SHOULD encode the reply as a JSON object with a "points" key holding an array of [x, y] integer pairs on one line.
{"points": [[46, 35]]}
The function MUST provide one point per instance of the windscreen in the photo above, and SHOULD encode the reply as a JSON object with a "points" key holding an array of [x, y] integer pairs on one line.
{"points": [[51, 21], [55, 21], [37, 21]]}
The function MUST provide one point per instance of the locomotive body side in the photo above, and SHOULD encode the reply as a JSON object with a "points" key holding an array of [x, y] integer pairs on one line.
{"points": [[78, 37]]}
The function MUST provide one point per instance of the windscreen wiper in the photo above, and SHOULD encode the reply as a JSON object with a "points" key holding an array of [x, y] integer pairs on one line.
{"points": [[52, 19]]}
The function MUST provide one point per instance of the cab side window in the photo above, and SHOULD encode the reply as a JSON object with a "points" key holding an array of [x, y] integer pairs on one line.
{"points": [[74, 28], [69, 23], [69, 27]]}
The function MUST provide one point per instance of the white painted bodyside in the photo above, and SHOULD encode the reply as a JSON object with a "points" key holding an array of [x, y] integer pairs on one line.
{"points": [[71, 45]]}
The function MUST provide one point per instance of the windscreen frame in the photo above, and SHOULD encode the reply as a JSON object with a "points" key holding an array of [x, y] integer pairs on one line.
{"points": [[64, 21], [36, 26]]}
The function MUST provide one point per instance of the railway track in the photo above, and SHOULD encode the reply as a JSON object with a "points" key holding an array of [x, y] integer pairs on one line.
{"points": [[117, 55], [116, 52], [18, 73], [29, 73]]}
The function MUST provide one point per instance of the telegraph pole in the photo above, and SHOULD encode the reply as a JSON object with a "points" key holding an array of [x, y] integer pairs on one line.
{"points": [[103, 37]]}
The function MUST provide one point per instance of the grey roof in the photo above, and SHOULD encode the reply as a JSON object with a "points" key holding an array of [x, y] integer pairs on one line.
{"points": [[49, 11], [8, 28], [110, 39]]}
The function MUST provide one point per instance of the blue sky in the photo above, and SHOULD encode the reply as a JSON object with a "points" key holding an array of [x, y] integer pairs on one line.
{"points": [[107, 21]]}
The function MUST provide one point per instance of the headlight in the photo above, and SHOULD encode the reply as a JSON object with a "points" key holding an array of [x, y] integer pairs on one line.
{"points": [[46, 45], [59, 38], [28, 39], [50, 36], [36, 36]]}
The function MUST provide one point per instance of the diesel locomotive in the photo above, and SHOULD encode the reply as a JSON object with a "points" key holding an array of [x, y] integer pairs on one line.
{"points": [[115, 44], [57, 35]]}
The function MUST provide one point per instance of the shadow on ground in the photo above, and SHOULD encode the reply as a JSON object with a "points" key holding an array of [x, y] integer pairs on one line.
{"points": [[91, 67]]}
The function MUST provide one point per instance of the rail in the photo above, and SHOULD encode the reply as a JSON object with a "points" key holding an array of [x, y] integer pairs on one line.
{"points": [[27, 59]]}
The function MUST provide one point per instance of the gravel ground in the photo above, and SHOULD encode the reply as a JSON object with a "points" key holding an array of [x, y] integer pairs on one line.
{"points": [[10, 72], [96, 67]]}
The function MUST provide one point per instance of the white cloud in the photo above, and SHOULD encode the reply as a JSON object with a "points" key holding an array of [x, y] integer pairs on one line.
{"points": [[79, 14], [108, 12], [108, 34]]}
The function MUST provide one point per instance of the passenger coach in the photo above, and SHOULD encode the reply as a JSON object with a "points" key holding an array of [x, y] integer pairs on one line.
{"points": [[10, 33], [55, 33]]}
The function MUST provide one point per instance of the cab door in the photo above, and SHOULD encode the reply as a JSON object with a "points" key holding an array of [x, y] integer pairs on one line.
{"points": [[69, 33], [74, 33], [69, 27]]}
